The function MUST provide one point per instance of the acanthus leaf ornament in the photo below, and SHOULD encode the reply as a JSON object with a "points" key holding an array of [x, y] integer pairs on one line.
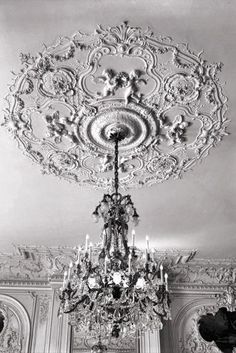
{"points": [[65, 99], [227, 298]]}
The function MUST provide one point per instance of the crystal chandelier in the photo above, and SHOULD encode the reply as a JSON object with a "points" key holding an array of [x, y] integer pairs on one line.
{"points": [[115, 289]]}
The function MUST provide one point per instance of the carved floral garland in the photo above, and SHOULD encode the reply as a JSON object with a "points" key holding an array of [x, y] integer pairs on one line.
{"points": [[66, 99]]}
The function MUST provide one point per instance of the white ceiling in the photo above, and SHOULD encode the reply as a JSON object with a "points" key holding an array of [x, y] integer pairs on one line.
{"points": [[195, 212]]}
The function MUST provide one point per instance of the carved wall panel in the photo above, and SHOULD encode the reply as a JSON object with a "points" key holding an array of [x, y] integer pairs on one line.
{"points": [[167, 99], [44, 301], [15, 330], [189, 337], [190, 340], [122, 345]]}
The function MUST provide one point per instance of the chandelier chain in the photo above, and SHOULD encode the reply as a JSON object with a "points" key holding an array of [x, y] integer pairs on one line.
{"points": [[116, 167]]}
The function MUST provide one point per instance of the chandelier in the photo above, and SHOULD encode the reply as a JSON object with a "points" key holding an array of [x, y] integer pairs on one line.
{"points": [[115, 289]]}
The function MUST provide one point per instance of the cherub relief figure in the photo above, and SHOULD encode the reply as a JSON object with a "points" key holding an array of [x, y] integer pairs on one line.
{"points": [[113, 81], [110, 83], [220, 328], [58, 127], [132, 91], [176, 130], [106, 163]]}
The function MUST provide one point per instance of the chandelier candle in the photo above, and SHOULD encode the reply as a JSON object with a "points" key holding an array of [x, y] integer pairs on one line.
{"points": [[147, 248], [78, 255], [106, 261], [64, 281], [116, 291], [90, 251], [161, 271], [130, 257], [86, 242], [133, 238], [69, 272], [166, 281]]}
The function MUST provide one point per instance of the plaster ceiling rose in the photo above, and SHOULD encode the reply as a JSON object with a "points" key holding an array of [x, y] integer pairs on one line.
{"points": [[165, 98]]}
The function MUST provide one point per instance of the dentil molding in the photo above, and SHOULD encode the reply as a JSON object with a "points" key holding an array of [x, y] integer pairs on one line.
{"points": [[66, 99]]}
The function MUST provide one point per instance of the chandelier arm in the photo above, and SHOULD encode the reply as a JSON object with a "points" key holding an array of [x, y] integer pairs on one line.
{"points": [[76, 304]]}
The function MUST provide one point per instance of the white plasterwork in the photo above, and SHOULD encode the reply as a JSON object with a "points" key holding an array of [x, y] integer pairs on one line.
{"points": [[65, 100]]}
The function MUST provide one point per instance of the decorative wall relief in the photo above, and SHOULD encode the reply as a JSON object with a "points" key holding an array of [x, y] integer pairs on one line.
{"points": [[197, 336], [193, 342], [123, 345], [65, 100], [207, 323], [44, 301], [219, 328], [38, 264], [205, 272], [227, 299], [32, 263], [14, 326]]}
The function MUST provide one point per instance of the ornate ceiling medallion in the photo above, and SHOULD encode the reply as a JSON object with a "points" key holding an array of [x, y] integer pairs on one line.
{"points": [[66, 99]]}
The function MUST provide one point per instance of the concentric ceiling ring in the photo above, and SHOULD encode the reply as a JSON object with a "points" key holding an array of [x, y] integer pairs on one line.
{"points": [[65, 101], [136, 121]]}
